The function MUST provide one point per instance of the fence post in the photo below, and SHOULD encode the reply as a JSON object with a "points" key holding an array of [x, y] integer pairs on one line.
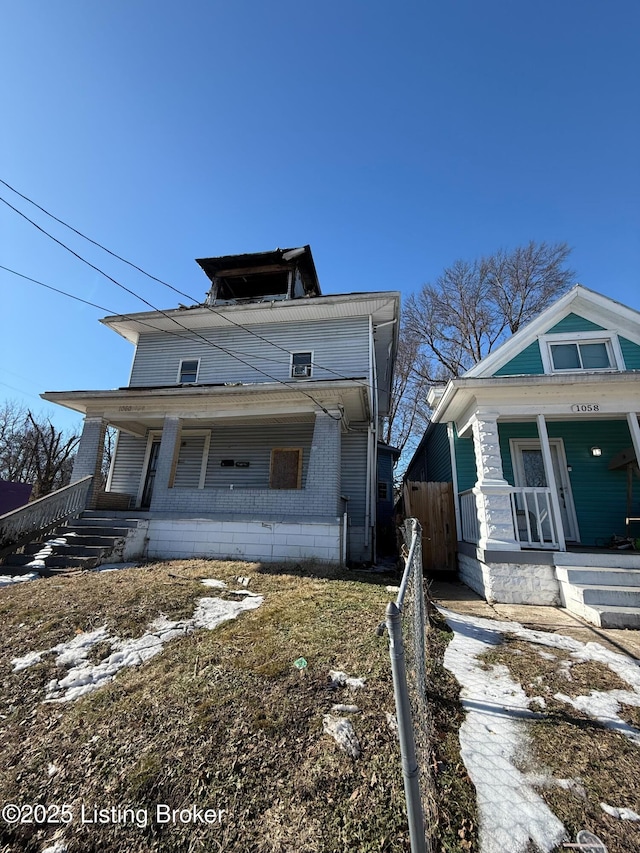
{"points": [[410, 769]]}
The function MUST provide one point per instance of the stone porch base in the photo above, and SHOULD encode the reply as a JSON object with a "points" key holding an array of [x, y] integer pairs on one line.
{"points": [[509, 577]]}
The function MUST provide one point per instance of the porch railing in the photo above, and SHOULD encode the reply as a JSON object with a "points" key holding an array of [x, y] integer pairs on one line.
{"points": [[24, 524], [534, 524], [469, 517], [533, 519]]}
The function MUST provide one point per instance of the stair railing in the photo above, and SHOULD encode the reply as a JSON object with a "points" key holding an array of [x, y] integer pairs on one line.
{"points": [[28, 522]]}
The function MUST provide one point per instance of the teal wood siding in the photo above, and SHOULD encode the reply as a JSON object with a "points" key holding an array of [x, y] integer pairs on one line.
{"points": [[575, 323], [529, 362], [599, 495], [465, 462], [631, 353], [439, 455]]}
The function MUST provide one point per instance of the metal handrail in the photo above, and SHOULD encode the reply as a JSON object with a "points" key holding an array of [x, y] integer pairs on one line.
{"points": [[24, 524]]}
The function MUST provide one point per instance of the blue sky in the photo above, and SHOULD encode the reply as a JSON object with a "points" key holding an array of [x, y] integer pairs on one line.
{"points": [[394, 138]]}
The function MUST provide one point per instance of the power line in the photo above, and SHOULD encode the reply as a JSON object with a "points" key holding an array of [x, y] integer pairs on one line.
{"points": [[191, 332], [95, 242], [149, 275]]}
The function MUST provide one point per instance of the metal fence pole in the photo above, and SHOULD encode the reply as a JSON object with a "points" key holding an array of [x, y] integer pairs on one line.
{"points": [[410, 769]]}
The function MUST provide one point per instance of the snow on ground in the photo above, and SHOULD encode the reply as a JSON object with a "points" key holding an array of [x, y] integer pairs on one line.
{"points": [[83, 677], [511, 813], [6, 580]]}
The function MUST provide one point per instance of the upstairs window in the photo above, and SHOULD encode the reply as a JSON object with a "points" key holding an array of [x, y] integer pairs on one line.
{"points": [[301, 365], [587, 352], [593, 355], [188, 372]]}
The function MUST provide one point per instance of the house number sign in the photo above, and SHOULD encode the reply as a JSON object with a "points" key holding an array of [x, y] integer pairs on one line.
{"points": [[585, 407]]}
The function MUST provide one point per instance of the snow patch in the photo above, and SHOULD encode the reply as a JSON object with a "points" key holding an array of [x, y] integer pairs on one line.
{"points": [[83, 677], [7, 580], [341, 679], [342, 732], [621, 814]]}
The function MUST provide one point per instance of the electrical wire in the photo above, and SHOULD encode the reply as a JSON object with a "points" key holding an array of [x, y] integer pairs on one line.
{"points": [[153, 277]]}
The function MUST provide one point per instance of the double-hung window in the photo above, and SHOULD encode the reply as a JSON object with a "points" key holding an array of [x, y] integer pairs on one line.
{"points": [[188, 371]]}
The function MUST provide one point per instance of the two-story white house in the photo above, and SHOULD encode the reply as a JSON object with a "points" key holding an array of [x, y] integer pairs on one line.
{"points": [[250, 422]]}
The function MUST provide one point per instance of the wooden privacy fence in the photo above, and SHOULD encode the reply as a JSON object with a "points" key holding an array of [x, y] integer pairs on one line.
{"points": [[432, 504]]}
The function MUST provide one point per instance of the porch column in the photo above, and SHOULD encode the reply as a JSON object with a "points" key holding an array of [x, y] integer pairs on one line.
{"points": [[551, 480], [167, 459], [88, 461], [323, 472], [634, 429], [493, 493]]}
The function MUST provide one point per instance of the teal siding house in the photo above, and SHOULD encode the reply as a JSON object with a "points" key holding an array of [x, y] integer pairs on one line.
{"points": [[542, 442]]}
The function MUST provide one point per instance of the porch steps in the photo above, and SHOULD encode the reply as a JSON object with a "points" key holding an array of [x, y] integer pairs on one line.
{"points": [[83, 544], [605, 595]]}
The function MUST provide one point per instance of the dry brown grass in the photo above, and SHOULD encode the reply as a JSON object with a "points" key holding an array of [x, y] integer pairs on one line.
{"points": [[604, 765], [219, 719]]}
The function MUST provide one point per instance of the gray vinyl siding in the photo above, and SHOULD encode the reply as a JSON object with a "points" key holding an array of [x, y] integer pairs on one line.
{"points": [[340, 345], [127, 468], [353, 482], [252, 444], [189, 461]]}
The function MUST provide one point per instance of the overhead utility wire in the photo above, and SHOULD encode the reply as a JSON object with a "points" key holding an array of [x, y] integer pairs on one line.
{"points": [[95, 242], [188, 336], [290, 385], [166, 284]]}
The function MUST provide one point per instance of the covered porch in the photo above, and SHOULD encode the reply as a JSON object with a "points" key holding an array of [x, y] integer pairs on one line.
{"points": [[247, 472]]}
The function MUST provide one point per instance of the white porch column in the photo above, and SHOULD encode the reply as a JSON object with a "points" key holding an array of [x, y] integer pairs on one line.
{"points": [[551, 479], [634, 429], [167, 458], [88, 461], [493, 493]]}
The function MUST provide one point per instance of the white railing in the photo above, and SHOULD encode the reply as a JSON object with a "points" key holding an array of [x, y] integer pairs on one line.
{"points": [[533, 519], [27, 522], [469, 517]]}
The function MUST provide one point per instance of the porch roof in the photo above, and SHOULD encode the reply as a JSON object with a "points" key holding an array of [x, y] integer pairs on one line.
{"points": [[583, 395], [136, 410]]}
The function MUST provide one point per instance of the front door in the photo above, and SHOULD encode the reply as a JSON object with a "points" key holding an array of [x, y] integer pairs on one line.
{"points": [[528, 470], [150, 477]]}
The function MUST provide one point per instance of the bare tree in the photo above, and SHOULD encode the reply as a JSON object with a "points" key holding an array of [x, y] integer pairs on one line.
{"points": [[408, 406], [474, 305], [33, 450]]}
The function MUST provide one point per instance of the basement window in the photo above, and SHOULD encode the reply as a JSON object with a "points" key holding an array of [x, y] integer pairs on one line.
{"points": [[188, 372]]}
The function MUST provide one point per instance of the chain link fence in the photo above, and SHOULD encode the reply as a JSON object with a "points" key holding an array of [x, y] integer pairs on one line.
{"points": [[408, 625]]}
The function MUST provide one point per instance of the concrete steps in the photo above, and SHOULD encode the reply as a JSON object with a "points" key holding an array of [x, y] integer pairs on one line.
{"points": [[606, 595], [85, 543]]}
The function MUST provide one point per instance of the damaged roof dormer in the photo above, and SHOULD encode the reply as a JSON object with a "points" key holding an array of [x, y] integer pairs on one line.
{"points": [[261, 276]]}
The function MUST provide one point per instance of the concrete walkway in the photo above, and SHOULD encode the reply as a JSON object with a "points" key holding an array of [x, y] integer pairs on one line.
{"points": [[460, 599]]}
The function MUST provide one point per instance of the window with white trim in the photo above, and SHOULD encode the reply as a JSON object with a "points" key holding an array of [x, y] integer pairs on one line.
{"points": [[188, 371], [301, 365], [581, 351]]}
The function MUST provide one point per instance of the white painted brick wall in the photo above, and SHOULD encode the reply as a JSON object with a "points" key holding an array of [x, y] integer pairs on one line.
{"points": [[510, 583]]}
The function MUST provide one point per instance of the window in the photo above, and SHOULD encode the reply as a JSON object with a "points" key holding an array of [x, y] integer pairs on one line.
{"points": [[286, 468], [301, 365], [591, 351], [188, 371], [383, 491], [581, 356]]}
